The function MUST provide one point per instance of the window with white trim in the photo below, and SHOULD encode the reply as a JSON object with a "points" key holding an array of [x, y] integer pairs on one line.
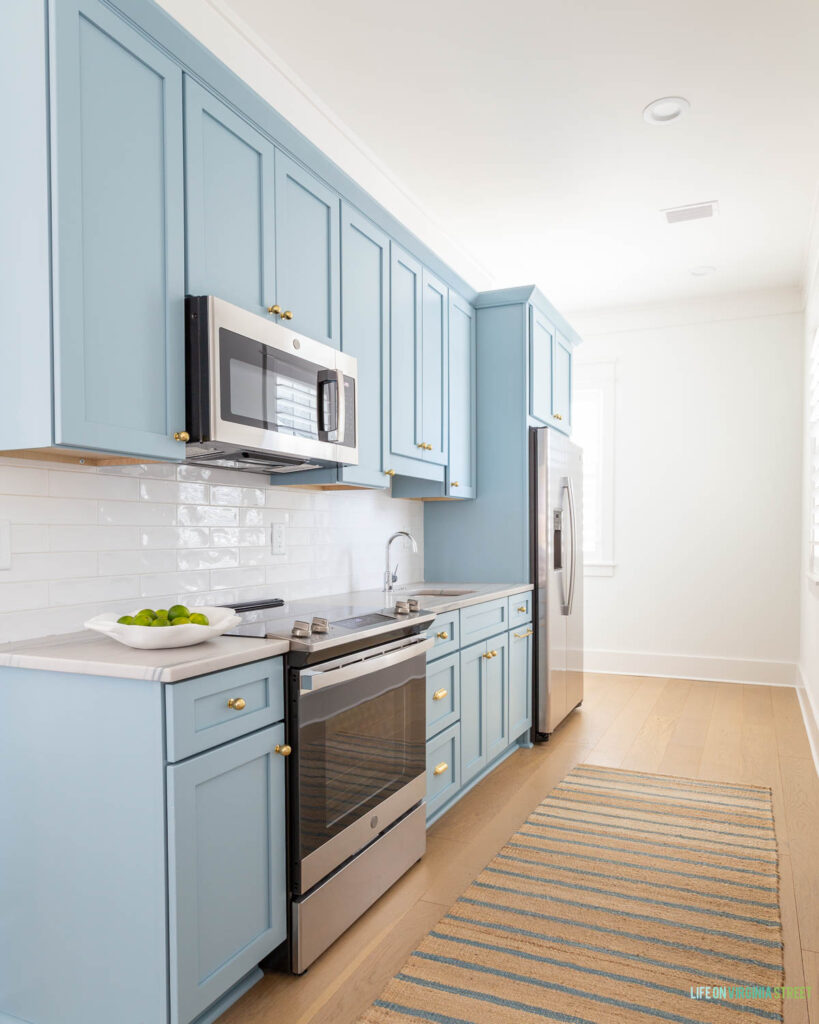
{"points": [[813, 427], [593, 430]]}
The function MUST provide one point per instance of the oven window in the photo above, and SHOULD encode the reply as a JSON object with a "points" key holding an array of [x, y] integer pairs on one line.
{"points": [[265, 388], [359, 742]]}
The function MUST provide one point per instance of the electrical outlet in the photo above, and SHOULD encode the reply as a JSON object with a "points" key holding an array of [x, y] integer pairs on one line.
{"points": [[279, 544], [5, 545]]}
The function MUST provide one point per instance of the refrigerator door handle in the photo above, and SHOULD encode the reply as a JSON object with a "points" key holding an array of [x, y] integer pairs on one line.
{"points": [[567, 484]]}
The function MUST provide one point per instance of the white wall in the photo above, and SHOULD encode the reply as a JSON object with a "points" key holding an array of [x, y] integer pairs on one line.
{"points": [[87, 540], [809, 591], [707, 481]]}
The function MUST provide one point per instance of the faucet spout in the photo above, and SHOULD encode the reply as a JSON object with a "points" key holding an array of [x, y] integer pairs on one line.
{"points": [[390, 575]]}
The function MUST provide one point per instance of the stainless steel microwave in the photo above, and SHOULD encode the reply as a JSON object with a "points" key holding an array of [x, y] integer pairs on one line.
{"points": [[261, 397]]}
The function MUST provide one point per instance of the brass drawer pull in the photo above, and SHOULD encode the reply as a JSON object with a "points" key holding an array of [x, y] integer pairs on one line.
{"points": [[237, 703], [443, 635], [439, 694], [455, 483], [389, 472], [522, 636], [557, 416], [284, 749], [182, 435], [487, 655], [439, 769], [522, 608]]}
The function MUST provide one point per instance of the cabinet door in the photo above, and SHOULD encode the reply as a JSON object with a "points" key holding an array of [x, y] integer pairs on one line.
{"points": [[364, 334], [404, 398], [307, 251], [562, 383], [473, 711], [226, 867], [496, 690], [462, 383], [520, 681], [541, 337], [434, 370], [443, 693], [118, 236], [229, 203]]}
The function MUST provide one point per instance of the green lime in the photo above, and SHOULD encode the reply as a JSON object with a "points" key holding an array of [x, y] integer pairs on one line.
{"points": [[199, 619], [146, 611], [162, 613], [178, 611], [180, 620], [160, 622], [142, 619], [126, 620]]}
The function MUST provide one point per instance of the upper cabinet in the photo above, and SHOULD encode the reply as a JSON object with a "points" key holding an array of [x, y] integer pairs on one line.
{"points": [[307, 252], [118, 236], [230, 188], [562, 382], [550, 373], [460, 480], [434, 377]]}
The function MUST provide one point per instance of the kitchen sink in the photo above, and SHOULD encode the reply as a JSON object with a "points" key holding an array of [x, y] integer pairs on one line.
{"points": [[438, 593]]}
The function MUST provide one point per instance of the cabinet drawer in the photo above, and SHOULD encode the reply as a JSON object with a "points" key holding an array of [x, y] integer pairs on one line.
{"points": [[446, 632], [443, 693], [202, 713], [443, 757], [520, 609], [480, 621]]}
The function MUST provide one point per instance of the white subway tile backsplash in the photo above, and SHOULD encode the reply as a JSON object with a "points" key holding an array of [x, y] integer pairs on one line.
{"points": [[117, 538]]}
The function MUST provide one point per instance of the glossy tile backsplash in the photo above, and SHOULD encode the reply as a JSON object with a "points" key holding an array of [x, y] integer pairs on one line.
{"points": [[86, 540]]}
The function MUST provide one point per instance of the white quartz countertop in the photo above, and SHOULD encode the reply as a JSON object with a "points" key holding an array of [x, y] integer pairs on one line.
{"points": [[88, 653]]}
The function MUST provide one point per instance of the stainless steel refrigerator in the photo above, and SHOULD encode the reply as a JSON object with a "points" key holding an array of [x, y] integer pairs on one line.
{"points": [[556, 523]]}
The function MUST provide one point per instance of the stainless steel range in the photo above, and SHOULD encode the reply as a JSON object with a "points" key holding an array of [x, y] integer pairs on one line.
{"points": [[356, 699]]}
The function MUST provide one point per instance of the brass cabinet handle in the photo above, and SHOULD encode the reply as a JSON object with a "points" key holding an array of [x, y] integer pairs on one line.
{"points": [[274, 310], [522, 636], [237, 703], [443, 635], [557, 416], [439, 769], [455, 484], [428, 447], [284, 749], [439, 694], [389, 472], [181, 435], [494, 654], [522, 608], [487, 655], [287, 315], [420, 444]]}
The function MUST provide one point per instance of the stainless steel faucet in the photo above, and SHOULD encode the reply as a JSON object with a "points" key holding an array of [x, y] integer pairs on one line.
{"points": [[391, 576]]}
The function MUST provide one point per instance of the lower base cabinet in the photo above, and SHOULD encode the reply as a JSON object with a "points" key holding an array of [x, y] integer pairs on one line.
{"points": [[227, 895], [520, 680], [443, 768]]}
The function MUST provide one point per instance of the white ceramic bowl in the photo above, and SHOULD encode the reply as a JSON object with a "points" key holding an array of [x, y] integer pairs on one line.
{"points": [[147, 638]]}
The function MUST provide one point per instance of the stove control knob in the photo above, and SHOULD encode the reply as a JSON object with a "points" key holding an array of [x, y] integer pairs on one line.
{"points": [[414, 604], [300, 628], [402, 608], [320, 625]]}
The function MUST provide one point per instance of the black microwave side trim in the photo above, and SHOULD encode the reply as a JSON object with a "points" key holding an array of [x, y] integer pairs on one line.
{"points": [[197, 368]]}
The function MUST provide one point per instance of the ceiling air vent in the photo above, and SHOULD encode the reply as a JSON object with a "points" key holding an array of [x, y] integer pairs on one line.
{"points": [[696, 211]]}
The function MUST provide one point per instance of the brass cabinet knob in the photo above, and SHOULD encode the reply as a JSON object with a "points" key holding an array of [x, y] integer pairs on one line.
{"points": [[420, 444], [493, 654], [389, 472], [557, 416], [181, 435], [487, 655], [443, 635], [287, 315], [237, 703], [274, 310], [454, 484], [439, 694], [439, 769], [284, 749], [522, 608], [428, 447]]}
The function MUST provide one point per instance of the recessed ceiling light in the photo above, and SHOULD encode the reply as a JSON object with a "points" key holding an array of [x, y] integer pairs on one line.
{"points": [[702, 271], [666, 109]]}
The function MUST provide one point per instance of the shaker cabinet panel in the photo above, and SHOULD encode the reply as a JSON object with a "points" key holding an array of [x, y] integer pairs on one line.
{"points": [[433, 381], [403, 398], [226, 857], [229, 202], [462, 398], [520, 681], [562, 384], [496, 686], [473, 712], [307, 251], [118, 235], [541, 339]]}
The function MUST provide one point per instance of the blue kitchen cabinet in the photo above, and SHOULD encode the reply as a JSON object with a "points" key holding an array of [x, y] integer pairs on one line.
{"points": [[434, 376], [473, 711], [562, 383], [443, 693], [118, 235], [496, 690], [230, 190], [460, 478], [307, 249], [226, 852], [520, 680], [541, 341]]}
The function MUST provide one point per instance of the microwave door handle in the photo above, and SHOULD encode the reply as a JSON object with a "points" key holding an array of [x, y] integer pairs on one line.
{"points": [[340, 407], [316, 679]]}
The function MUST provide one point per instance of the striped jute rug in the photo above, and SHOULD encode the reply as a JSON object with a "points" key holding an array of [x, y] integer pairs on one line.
{"points": [[625, 897]]}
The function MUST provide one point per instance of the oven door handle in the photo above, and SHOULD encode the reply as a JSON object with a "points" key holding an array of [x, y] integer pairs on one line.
{"points": [[311, 679]]}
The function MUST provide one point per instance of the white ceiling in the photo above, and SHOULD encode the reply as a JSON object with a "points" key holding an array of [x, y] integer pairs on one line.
{"points": [[518, 126]]}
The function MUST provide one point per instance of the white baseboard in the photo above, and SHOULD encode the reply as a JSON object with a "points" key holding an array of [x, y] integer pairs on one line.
{"points": [[686, 666], [810, 715]]}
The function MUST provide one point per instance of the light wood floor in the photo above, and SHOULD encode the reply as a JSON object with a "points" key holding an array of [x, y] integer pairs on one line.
{"points": [[721, 731]]}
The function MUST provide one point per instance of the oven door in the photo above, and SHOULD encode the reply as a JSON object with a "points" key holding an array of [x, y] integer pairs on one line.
{"points": [[277, 391], [360, 760]]}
